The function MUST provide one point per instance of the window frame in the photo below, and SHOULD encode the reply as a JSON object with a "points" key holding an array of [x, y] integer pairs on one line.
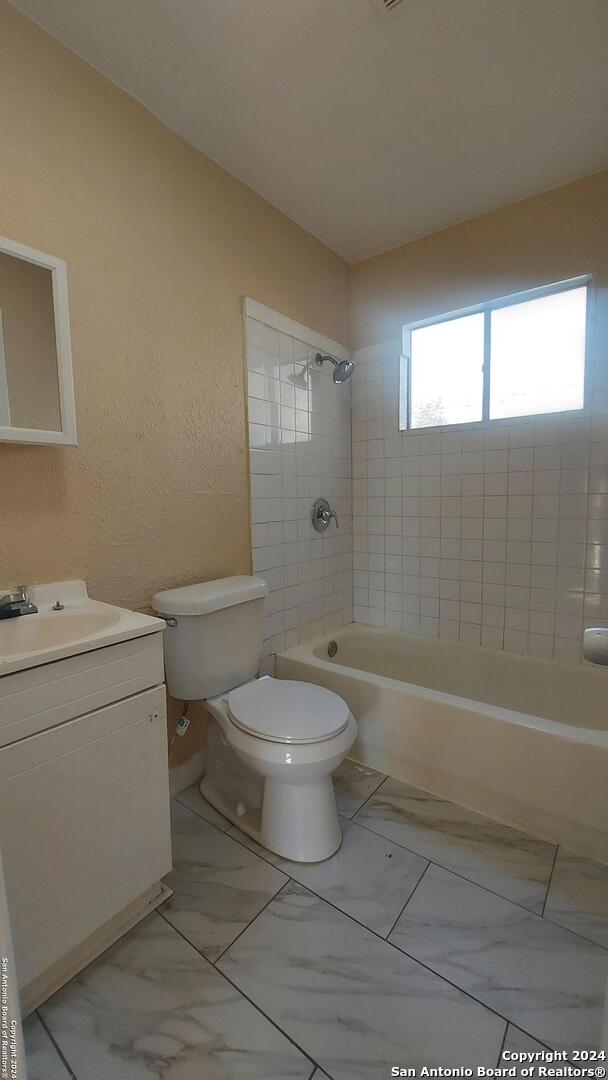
{"points": [[485, 308]]}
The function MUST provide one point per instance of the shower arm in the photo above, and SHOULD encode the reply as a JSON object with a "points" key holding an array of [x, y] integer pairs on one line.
{"points": [[343, 369]]}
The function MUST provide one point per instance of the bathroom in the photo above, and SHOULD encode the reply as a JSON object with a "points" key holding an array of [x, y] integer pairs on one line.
{"points": [[234, 200]]}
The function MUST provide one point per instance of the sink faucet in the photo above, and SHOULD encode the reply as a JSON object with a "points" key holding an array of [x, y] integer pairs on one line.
{"points": [[16, 603]]}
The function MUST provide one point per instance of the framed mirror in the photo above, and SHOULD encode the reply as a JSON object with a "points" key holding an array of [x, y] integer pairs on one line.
{"points": [[36, 383]]}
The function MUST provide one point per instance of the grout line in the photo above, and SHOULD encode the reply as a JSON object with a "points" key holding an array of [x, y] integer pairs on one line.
{"points": [[321, 1070], [455, 986], [385, 777], [457, 873], [241, 992], [357, 922], [175, 798], [391, 945], [502, 1046], [125, 933], [256, 916], [200, 817], [406, 903], [575, 933], [431, 862], [369, 929], [550, 880], [55, 1044]]}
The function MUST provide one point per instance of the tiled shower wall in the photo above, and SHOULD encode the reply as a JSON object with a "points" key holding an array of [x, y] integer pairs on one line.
{"points": [[300, 447], [496, 537]]}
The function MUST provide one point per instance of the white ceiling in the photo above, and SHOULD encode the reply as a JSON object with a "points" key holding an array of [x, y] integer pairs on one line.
{"points": [[368, 132]]}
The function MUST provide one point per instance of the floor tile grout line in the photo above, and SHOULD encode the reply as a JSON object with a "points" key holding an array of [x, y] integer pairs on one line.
{"points": [[176, 798], [344, 914], [256, 916], [321, 1070], [385, 777], [407, 902], [391, 945], [289, 880], [415, 959], [449, 802], [549, 843], [554, 921], [219, 971], [457, 873], [550, 880], [431, 862], [575, 933], [502, 1046], [467, 993], [149, 915], [60, 1053]]}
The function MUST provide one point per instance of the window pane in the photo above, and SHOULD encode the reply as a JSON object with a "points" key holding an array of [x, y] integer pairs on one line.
{"points": [[447, 372], [537, 355]]}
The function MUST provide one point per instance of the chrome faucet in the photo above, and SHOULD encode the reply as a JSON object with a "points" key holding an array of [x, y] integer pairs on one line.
{"points": [[16, 603], [321, 515]]}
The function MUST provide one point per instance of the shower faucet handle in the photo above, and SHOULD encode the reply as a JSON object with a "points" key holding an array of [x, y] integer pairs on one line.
{"points": [[321, 515]]}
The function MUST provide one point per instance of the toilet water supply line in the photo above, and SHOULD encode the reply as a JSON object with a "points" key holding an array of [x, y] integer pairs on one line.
{"points": [[182, 725]]}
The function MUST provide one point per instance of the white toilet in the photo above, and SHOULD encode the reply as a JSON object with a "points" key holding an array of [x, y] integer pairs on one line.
{"points": [[275, 743]]}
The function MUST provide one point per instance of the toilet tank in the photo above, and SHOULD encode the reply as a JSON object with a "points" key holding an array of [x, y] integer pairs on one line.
{"points": [[213, 640]]}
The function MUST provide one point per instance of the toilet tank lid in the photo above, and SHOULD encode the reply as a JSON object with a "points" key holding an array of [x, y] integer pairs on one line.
{"points": [[209, 596]]}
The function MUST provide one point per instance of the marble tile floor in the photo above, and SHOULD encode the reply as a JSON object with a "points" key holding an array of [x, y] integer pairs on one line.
{"points": [[433, 936]]}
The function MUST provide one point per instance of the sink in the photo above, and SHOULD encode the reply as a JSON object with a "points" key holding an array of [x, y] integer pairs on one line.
{"points": [[31, 633], [81, 625]]}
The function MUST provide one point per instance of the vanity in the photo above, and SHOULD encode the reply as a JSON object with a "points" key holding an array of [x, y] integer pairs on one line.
{"points": [[84, 792]]}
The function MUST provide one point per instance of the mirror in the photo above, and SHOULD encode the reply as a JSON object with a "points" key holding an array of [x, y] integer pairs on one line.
{"points": [[36, 387]]}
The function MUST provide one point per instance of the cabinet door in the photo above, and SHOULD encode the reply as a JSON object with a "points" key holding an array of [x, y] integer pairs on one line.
{"points": [[84, 825]]}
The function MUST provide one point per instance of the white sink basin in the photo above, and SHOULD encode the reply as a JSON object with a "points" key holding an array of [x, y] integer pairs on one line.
{"points": [[83, 624], [31, 633]]}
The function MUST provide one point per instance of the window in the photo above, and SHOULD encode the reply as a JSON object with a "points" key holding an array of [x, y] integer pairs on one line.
{"points": [[523, 355]]}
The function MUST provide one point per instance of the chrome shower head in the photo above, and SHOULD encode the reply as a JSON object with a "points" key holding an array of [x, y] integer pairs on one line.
{"points": [[343, 369]]}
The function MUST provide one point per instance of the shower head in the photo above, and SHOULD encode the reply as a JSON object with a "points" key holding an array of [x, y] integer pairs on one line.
{"points": [[343, 369]]}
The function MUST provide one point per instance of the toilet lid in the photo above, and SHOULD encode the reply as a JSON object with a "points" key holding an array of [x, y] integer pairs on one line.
{"points": [[282, 710]]}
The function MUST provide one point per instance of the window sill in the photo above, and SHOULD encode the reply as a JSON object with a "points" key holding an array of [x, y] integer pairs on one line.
{"points": [[507, 422]]}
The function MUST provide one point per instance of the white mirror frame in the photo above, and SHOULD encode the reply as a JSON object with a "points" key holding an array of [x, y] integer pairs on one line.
{"points": [[59, 277]]}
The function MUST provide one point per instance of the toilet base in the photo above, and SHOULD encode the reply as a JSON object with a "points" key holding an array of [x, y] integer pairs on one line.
{"points": [[297, 821], [281, 796], [300, 821]]}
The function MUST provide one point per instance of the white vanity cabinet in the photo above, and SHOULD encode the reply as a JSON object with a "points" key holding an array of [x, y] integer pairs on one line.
{"points": [[84, 805]]}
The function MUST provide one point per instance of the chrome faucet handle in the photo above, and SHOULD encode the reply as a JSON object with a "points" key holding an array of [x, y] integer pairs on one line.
{"points": [[17, 603], [321, 515], [19, 596]]}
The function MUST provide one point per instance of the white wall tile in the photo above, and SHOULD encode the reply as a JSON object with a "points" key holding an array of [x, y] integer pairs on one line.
{"points": [[506, 529], [300, 448]]}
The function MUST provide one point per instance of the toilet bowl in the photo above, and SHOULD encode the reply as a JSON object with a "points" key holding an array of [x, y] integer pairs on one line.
{"points": [[292, 736], [272, 744]]}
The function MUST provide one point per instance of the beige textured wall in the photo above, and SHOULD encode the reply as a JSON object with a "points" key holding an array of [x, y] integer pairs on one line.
{"points": [[26, 301], [161, 245], [547, 238]]}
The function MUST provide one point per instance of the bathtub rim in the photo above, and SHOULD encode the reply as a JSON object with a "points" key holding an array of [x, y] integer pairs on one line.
{"points": [[304, 653]]}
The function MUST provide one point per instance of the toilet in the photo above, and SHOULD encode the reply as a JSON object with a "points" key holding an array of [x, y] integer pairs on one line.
{"points": [[272, 744]]}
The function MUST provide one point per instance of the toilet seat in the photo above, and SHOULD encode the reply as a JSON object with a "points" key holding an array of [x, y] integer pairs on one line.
{"points": [[286, 711]]}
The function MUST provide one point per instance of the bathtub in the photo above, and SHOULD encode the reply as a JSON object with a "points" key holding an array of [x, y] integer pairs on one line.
{"points": [[519, 739]]}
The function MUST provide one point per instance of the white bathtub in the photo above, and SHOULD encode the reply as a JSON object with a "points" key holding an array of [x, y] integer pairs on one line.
{"points": [[522, 740]]}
